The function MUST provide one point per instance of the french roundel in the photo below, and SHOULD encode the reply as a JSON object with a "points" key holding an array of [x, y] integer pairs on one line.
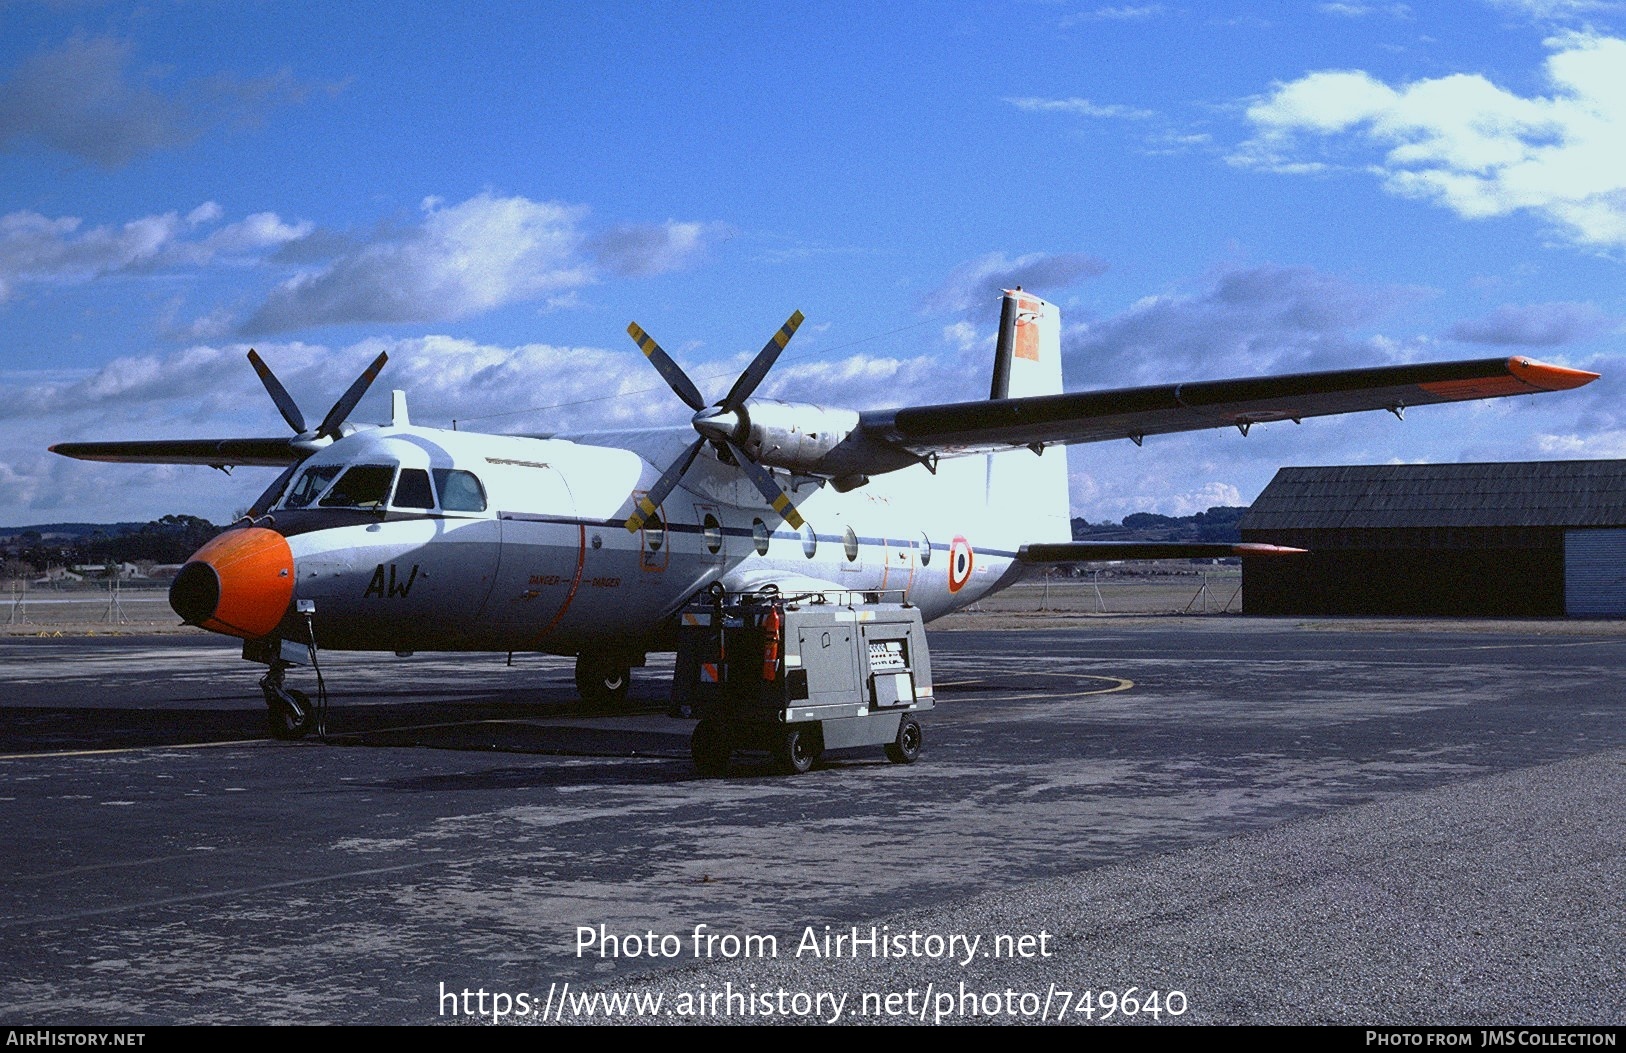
{"points": [[960, 560]]}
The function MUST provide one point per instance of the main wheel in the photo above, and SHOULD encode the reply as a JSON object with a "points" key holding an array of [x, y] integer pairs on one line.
{"points": [[711, 747], [289, 722], [905, 749], [602, 680], [797, 751]]}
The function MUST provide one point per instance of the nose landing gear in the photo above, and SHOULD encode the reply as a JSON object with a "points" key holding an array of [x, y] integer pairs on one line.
{"points": [[289, 714]]}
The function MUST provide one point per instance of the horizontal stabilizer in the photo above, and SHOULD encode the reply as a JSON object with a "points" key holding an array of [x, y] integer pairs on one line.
{"points": [[1102, 551]]}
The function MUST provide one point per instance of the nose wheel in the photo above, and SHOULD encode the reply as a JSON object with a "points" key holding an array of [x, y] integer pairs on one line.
{"points": [[289, 714]]}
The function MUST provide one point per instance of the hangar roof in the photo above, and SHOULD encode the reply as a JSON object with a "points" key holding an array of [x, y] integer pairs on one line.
{"points": [[1506, 494]]}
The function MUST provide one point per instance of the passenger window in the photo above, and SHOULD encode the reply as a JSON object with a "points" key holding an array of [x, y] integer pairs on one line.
{"points": [[712, 531], [759, 536], [363, 486], [850, 542], [412, 490], [310, 485], [460, 491]]}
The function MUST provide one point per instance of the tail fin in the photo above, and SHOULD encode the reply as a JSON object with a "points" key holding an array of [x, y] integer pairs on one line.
{"points": [[1027, 359], [1028, 490]]}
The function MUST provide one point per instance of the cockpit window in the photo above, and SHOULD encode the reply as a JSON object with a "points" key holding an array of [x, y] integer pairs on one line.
{"points": [[310, 485], [361, 486], [412, 490], [460, 491]]}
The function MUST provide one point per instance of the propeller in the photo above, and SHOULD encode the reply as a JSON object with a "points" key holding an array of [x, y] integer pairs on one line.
{"points": [[722, 424], [304, 438], [334, 420]]}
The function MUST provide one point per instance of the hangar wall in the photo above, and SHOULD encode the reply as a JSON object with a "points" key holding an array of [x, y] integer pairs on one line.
{"points": [[1507, 539]]}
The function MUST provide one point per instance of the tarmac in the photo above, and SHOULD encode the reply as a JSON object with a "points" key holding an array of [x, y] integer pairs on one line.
{"points": [[1256, 821]]}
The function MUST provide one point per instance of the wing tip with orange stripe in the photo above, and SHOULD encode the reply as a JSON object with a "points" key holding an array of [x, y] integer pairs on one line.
{"points": [[1523, 377], [1549, 377]]}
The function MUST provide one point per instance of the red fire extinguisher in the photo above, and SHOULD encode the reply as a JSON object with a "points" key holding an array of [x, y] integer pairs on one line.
{"points": [[772, 630]]}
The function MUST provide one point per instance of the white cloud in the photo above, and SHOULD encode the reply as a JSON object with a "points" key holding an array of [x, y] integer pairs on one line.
{"points": [[482, 253], [1557, 10], [262, 230], [464, 258], [636, 250], [207, 212], [1107, 484], [1608, 445], [1462, 142], [1362, 10], [962, 335], [39, 249], [1119, 13], [1078, 107], [877, 381]]}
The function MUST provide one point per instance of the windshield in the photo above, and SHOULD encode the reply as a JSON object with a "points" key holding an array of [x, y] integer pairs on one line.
{"points": [[310, 485], [361, 486]]}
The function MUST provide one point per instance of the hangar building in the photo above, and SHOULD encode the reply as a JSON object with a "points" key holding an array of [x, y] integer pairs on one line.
{"points": [[1520, 538]]}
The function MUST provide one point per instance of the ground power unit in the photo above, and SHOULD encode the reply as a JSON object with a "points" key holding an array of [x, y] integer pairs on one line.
{"points": [[798, 675]]}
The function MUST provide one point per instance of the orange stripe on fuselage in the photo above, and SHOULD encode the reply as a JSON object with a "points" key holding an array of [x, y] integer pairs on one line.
{"points": [[575, 583]]}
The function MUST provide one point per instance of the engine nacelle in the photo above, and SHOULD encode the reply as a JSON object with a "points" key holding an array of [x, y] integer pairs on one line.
{"points": [[794, 435]]}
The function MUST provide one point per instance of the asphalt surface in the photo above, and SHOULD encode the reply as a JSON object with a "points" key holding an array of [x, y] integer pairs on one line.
{"points": [[1281, 823]]}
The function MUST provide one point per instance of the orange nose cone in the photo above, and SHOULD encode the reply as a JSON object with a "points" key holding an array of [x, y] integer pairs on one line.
{"points": [[239, 584]]}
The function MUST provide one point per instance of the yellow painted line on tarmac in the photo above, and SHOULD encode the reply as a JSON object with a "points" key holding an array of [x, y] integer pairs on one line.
{"points": [[132, 749], [522, 722], [1118, 683], [201, 897], [427, 727]]}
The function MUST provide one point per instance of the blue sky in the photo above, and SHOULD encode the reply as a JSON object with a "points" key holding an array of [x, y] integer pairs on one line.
{"points": [[491, 192]]}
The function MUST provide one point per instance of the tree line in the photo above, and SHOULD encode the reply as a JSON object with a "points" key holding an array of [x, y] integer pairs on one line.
{"points": [[171, 539]]}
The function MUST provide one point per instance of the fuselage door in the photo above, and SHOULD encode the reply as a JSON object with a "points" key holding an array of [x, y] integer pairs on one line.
{"points": [[543, 553], [899, 561]]}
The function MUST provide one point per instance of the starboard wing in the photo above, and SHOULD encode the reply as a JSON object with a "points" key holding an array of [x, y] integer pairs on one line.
{"points": [[1134, 413]]}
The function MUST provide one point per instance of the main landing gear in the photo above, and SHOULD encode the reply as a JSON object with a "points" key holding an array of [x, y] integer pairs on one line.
{"points": [[603, 680], [289, 714]]}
